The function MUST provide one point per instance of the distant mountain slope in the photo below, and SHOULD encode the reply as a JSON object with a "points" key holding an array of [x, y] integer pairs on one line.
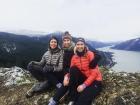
{"points": [[19, 50], [97, 44], [131, 45]]}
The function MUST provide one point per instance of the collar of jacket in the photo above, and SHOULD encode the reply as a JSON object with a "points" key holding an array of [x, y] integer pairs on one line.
{"points": [[80, 54], [57, 49], [71, 47], [85, 51]]}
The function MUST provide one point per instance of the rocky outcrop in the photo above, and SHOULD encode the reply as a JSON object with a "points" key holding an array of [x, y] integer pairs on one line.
{"points": [[118, 88], [14, 76]]}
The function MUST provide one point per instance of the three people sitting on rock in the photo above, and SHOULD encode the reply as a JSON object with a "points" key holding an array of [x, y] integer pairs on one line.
{"points": [[83, 81], [72, 69]]}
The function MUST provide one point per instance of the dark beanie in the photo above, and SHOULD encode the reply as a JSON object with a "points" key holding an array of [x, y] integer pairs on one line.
{"points": [[67, 35], [53, 37], [81, 39]]}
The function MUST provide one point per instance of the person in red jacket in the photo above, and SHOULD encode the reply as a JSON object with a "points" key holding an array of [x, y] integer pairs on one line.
{"points": [[83, 82]]}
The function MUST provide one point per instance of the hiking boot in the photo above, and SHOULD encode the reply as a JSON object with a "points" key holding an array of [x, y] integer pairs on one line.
{"points": [[52, 102], [71, 103], [40, 86]]}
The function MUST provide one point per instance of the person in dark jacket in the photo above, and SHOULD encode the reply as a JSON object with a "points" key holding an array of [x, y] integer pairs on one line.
{"points": [[50, 67], [67, 47], [83, 82]]}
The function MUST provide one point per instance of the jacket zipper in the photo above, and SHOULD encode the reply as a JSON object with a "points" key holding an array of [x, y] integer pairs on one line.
{"points": [[51, 60], [80, 64]]}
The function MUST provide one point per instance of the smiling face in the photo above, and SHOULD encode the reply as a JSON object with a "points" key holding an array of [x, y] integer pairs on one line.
{"points": [[66, 43], [80, 46], [53, 43]]}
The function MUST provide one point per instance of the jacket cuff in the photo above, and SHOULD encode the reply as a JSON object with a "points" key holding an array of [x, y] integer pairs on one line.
{"points": [[67, 75], [84, 85]]}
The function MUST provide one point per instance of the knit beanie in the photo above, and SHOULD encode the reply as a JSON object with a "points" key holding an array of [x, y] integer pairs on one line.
{"points": [[81, 40], [67, 35]]}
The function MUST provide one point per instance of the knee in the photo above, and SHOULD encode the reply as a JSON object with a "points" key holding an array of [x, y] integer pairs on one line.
{"points": [[74, 70], [30, 67]]}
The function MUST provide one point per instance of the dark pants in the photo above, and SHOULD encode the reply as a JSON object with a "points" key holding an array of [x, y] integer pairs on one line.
{"points": [[85, 97], [54, 77], [38, 73]]}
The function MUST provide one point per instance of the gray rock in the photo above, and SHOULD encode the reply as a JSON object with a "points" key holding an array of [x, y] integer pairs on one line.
{"points": [[118, 89]]}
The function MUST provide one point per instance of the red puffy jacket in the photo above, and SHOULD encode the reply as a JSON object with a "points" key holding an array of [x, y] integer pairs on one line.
{"points": [[82, 63]]}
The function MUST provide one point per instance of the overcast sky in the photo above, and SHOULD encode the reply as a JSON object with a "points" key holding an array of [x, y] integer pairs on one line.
{"points": [[105, 20]]}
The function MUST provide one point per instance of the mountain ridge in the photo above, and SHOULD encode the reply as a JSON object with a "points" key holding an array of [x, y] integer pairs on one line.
{"points": [[19, 50], [130, 45]]}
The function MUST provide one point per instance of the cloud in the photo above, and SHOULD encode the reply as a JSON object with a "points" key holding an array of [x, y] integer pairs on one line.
{"points": [[96, 19]]}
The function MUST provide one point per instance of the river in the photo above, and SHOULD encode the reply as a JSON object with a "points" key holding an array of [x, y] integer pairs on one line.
{"points": [[127, 61]]}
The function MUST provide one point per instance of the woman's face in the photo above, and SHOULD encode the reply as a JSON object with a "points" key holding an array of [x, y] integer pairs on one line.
{"points": [[53, 43], [80, 46], [66, 43]]}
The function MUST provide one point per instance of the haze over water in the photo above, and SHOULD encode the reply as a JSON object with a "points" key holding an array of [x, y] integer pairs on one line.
{"points": [[128, 61]]}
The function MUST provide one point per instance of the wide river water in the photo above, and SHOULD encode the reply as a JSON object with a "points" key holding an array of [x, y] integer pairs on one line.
{"points": [[128, 61]]}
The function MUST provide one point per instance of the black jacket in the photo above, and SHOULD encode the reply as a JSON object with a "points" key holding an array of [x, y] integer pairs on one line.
{"points": [[67, 59]]}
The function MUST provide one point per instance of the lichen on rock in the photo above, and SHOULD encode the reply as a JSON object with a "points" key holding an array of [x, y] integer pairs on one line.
{"points": [[119, 88]]}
